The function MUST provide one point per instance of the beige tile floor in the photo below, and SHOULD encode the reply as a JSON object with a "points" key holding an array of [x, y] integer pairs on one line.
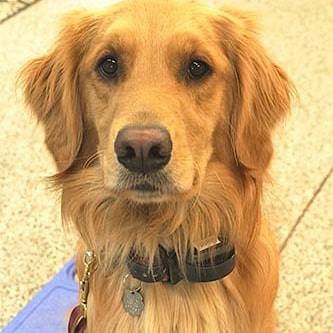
{"points": [[8, 8], [299, 200]]}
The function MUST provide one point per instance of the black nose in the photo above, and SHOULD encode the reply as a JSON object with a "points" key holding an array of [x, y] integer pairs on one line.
{"points": [[143, 149]]}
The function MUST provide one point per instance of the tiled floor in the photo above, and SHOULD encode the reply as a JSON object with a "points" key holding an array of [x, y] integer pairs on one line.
{"points": [[9, 8], [299, 200]]}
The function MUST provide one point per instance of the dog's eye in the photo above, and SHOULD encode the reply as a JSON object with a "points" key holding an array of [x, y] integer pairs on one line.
{"points": [[198, 69], [108, 67]]}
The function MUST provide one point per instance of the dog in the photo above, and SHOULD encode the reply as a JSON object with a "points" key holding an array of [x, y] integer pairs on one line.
{"points": [[159, 115]]}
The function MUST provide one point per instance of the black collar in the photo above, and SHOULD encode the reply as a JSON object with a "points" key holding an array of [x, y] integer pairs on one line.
{"points": [[210, 264]]}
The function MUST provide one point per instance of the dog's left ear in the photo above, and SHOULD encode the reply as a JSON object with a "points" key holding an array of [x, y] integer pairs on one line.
{"points": [[260, 92]]}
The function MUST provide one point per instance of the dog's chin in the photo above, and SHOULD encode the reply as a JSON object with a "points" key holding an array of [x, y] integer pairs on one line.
{"points": [[142, 197]]}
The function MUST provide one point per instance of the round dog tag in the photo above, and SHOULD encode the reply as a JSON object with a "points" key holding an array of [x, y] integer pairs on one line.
{"points": [[133, 302]]}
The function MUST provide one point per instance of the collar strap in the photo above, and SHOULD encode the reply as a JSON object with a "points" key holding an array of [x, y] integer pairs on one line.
{"points": [[210, 264]]}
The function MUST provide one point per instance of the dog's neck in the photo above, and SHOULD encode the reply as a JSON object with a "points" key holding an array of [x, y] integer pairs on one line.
{"points": [[118, 227]]}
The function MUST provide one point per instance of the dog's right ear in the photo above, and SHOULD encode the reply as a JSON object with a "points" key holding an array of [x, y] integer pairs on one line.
{"points": [[53, 90]]}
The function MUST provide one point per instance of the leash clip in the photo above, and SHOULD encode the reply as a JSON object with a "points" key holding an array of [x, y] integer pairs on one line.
{"points": [[78, 319], [89, 260]]}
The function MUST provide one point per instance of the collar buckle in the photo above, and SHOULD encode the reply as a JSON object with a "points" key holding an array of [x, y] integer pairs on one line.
{"points": [[174, 274]]}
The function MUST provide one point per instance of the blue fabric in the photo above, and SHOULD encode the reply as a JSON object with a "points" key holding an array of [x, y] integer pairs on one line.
{"points": [[49, 310]]}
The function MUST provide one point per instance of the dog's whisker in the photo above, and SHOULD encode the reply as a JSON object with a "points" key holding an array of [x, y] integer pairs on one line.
{"points": [[220, 181], [92, 158], [197, 196]]}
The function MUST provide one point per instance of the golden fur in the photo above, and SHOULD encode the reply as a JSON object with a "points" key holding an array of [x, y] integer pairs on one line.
{"points": [[221, 133]]}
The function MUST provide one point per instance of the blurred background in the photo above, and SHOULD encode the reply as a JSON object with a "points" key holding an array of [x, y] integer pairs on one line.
{"points": [[298, 199]]}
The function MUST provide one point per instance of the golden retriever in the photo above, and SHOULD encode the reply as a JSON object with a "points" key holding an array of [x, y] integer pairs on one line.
{"points": [[159, 116]]}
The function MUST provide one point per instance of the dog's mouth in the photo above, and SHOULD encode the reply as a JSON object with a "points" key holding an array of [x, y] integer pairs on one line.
{"points": [[145, 187]]}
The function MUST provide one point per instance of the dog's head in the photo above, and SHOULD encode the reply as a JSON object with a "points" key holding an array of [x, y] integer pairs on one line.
{"points": [[151, 92]]}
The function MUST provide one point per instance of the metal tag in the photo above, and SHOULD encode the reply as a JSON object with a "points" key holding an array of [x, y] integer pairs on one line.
{"points": [[133, 302]]}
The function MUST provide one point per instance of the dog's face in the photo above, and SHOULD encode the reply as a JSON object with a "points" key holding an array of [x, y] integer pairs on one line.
{"points": [[155, 89], [152, 92]]}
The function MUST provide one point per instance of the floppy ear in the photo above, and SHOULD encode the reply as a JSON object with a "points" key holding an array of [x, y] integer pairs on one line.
{"points": [[52, 89], [260, 92]]}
